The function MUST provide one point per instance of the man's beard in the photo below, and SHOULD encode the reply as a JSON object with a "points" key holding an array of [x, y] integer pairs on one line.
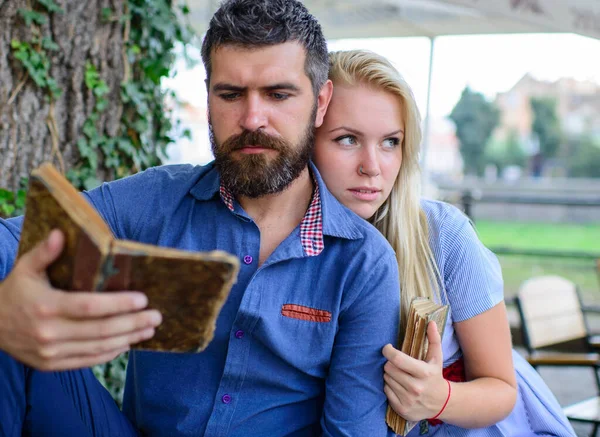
{"points": [[256, 175]]}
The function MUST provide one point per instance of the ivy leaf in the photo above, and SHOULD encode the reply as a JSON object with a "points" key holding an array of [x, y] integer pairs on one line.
{"points": [[6, 196], [7, 210], [16, 44], [89, 129], [51, 6], [100, 88], [91, 75], [20, 200], [53, 87], [101, 105], [32, 17], [106, 14], [48, 44], [90, 183]]}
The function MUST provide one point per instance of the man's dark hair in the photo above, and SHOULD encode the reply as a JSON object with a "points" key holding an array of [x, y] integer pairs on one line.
{"points": [[260, 23]]}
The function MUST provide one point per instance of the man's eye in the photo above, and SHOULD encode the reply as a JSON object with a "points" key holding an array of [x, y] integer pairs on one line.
{"points": [[229, 96], [280, 96], [346, 140]]}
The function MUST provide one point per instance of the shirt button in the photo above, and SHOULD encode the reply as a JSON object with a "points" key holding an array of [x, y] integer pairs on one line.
{"points": [[226, 399], [239, 334], [248, 259]]}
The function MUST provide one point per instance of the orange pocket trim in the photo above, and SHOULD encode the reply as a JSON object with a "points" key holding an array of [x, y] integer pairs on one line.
{"points": [[305, 313]]}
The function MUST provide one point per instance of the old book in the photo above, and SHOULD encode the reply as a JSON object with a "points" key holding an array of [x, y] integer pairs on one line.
{"points": [[415, 344], [188, 288]]}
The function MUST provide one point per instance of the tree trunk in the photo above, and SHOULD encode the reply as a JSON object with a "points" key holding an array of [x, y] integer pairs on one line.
{"points": [[33, 128]]}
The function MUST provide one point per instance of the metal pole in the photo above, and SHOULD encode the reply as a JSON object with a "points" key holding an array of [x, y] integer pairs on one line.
{"points": [[426, 121]]}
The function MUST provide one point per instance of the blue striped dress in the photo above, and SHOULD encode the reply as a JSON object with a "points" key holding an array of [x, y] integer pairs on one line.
{"points": [[473, 282]]}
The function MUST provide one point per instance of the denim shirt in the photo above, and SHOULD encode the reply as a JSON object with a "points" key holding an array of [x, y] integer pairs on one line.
{"points": [[266, 372]]}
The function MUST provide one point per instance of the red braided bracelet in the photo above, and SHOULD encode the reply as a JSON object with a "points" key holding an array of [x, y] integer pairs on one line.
{"points": [[445, 403]]}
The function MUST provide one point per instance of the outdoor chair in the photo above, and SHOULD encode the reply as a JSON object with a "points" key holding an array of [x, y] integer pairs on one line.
{"points": [[551, 313]]}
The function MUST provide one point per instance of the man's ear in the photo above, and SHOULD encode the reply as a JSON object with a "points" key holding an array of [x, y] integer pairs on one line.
{"points": [[206, 82], [323, 100]]}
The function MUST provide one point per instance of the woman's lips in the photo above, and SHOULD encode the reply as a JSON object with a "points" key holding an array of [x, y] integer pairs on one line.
{"points": [[365, 193]]}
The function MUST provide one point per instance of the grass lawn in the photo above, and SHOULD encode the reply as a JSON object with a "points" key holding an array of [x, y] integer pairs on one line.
{"points": [[568, 237], [555, 237]]}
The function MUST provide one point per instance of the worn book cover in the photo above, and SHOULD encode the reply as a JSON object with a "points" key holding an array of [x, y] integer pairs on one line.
{"points": [[415, 344], [188, 288]]}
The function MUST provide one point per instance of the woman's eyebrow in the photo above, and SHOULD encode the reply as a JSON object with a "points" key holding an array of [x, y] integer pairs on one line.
{"points": [[354, 131], [395, 133]]}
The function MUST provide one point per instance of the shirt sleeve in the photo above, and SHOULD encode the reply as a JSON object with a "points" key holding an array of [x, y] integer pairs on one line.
{"points": [[10, 231], [124, 203], [472, 273], [355, 403]]}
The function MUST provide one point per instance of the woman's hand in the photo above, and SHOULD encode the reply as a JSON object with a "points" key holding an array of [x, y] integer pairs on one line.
{"points": [[416, 389]]}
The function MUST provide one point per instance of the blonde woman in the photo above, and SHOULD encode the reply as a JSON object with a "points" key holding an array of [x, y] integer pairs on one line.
{"points": [[367, 152]]}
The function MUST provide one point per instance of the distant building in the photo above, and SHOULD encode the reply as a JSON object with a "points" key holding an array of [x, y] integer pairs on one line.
{"points": [[578, 107], [443, 154]]}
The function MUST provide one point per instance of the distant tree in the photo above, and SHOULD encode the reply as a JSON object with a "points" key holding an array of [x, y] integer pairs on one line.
{"points": [[506, 152], [513, 151], [475, 119], [546, 125], [585, 160]]}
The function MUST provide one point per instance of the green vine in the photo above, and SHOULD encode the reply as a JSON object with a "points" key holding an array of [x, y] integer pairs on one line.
{"points": [[34, 57], [33, 54], [12, 204], [151, 29]]}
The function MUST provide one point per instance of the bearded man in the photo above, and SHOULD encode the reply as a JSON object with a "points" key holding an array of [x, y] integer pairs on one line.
{"points": [[297, 345]]}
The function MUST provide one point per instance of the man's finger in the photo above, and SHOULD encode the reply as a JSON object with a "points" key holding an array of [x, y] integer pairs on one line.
{"points": [[435, 354], [85, 305], [82, 330], [93, 348], [79, 362], [44, 253]]}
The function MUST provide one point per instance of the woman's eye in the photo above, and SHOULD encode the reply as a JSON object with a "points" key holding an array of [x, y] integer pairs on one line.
{"points": [[391, 143], [346, 140]]}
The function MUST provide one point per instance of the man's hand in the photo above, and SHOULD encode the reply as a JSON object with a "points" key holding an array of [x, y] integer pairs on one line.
{"points": [[50, 329]]}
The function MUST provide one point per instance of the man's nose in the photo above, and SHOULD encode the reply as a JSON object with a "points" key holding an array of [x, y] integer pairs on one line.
{"points": [[254, 116]]}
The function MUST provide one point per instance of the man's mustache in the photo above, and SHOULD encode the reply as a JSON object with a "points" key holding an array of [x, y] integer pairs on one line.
{"points": [[253, 138]]}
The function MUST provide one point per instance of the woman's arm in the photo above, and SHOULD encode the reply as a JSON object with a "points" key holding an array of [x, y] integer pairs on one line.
{"points": [[416, 389]]}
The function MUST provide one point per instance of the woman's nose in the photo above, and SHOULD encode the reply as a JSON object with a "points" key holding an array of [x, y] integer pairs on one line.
{"points": [[369, 165]]}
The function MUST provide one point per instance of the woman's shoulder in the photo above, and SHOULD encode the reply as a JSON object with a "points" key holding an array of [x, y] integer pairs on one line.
{"points": [[443, 215]]}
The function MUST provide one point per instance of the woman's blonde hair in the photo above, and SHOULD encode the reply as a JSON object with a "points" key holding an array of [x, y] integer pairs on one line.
{"points": [[400, 219]]}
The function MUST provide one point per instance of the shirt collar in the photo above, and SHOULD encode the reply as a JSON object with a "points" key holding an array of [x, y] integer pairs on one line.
{"points": [[337, 220]]}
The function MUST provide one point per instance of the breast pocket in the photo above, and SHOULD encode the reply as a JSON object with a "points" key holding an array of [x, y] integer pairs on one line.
{"points": [[308, 314]]}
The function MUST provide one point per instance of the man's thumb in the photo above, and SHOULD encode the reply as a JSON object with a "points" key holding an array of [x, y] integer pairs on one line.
{"points": [[44, 253]]}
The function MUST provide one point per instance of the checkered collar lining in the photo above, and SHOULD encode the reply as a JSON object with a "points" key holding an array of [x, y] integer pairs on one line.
{"points": [[311, 226]]}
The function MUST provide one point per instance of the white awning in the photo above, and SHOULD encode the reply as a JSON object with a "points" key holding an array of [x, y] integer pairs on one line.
{"points": [[389, 18]]}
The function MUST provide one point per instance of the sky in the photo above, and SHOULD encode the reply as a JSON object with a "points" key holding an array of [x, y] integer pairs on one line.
{"points": [[489, 64]]}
